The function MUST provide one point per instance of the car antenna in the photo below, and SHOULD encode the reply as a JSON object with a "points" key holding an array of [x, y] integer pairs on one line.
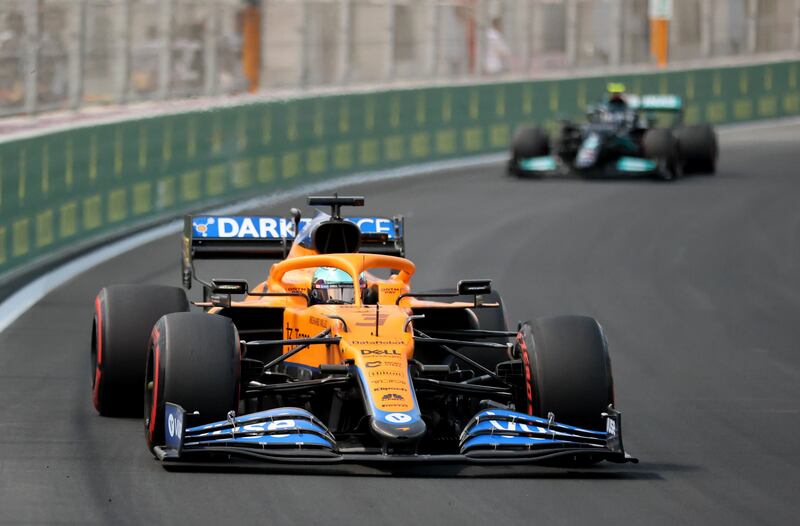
{"points": [[377, 317]]}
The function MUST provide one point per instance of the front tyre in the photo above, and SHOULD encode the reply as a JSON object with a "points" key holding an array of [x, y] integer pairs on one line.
{"points": [[661, 146], [193, 361], [699, 148], [527, 142], [123, 318], [567, 370]]}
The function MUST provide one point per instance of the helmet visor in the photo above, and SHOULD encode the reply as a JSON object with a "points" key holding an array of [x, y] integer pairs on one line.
{"points": [[336, 292]]}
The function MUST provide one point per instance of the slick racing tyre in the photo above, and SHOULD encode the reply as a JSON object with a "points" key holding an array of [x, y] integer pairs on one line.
{"points": [[123, 318], [528, 142], [194, 361], [662, 146], [698, 144], [567, 370]]}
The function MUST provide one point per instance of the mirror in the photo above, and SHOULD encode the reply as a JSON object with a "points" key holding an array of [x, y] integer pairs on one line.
{"points": [[230, 286], [474, 287]]}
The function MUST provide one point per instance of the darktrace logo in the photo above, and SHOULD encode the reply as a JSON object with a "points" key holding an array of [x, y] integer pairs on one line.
{"points": [[392, 396]]}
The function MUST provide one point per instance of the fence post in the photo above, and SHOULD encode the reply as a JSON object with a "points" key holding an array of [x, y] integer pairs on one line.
{"points": [[305, 39], [796, 26], [75, 53], [432, 37], [346, 42], [481, 24], [706, 28], [526, 18], [122, 48], [165, 57], [31, 56], [537, 27], [391, 29], [251, 44], [617, 21], [211, 48], [752, 25], [572, 32]]}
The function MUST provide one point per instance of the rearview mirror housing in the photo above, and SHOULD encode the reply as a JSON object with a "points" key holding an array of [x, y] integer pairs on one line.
{"points": [[474, 287], [230, 286]]}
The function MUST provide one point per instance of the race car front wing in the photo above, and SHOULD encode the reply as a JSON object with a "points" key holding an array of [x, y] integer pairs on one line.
{"points": [[293, 435]]}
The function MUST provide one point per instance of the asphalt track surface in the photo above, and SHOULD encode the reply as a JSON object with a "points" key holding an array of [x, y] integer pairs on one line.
{"points": [[697, 284]]}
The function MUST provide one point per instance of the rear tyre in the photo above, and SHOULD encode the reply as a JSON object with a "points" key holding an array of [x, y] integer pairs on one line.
{"points": [[699, 148], [662, 146], [528, 142], [567, 370], [124, 316], [193, 361]]}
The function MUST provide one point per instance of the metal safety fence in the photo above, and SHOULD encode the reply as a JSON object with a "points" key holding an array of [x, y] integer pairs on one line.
{"points": [[61, 191], [66, 54]]}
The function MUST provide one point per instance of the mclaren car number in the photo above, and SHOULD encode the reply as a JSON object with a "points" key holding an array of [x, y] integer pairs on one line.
{"points": [[270, 227]]}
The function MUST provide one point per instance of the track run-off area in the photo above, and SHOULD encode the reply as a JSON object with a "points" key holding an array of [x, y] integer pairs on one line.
{"points": [[696, 282]]}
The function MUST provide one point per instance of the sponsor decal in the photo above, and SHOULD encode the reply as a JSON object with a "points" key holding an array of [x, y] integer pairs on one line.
{"points": [[200, 226], [386, 373], [374, 342], [272, 227], [293, 333], [611, 427], [398, 418], [392, 396], [369, 319], [388, 383], [279, 425], [380, 352], [319, 322], [512, 427], [373, 364], [174, 425]]}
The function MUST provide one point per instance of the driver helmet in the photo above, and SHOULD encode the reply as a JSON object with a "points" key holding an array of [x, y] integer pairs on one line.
{"points": [[333, 285], [616, 97]]}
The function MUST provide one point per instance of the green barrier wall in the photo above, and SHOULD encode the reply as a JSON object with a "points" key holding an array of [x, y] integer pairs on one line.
{"points": [[73, 187]]}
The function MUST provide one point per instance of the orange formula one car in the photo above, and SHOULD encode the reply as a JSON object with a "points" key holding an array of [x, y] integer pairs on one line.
{"points": [[334, 359]]}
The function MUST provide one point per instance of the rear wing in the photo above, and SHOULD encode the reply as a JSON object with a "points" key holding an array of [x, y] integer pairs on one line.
{"points": [[270, 237], [667, 103]]}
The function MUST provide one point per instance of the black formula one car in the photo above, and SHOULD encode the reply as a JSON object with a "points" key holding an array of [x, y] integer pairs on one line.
{"points": [[334, 359], [625, 136]]}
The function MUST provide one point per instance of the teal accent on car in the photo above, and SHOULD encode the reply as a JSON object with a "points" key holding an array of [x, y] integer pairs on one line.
{"points": [[655, 102], [538, 164], [636, 164]]}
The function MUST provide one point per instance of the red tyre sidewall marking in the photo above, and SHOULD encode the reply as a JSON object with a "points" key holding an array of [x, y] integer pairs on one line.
{"points": [[99, 343], [156, 335], [527, 366]]}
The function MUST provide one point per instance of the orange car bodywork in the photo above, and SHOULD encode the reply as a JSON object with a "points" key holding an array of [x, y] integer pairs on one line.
{"points": [[377, 338]]}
